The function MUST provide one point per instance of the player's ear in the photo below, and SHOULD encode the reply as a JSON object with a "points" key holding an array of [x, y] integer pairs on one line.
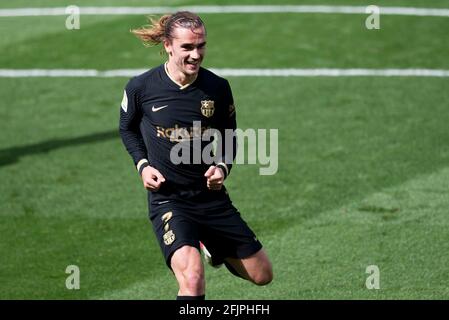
{"points": [[168, 47]]}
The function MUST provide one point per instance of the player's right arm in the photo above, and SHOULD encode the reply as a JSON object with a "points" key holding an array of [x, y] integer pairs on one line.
{"points": [[129, 128]]}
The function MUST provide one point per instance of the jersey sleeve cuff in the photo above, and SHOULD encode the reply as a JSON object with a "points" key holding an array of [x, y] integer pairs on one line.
{"points": [[141, 163], [224, 167]]}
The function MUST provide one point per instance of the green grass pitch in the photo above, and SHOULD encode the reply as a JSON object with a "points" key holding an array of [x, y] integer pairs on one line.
{"points": [[363, 162]]}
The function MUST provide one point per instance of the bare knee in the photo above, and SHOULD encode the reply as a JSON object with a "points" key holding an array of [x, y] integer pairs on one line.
{"points": [[259, 268], [188, 269], [191, 283], [264, 275]]}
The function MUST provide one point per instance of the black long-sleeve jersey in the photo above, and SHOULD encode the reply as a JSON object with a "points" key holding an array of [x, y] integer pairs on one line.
{"points": [[157, 114]]}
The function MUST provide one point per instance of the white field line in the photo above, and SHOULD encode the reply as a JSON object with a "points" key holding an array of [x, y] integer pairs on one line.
{"points": [[21, 73], [61, 11]]}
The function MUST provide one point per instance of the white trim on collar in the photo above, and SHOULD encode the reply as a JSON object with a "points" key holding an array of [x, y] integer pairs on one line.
{"points": [[181, 87]]}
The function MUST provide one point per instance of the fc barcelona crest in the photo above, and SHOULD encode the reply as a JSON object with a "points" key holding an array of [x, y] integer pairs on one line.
{"points": [[207, 108], [169, 237]]}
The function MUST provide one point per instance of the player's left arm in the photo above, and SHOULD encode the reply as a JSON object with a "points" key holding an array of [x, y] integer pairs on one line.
{"points": [[227, 150]]}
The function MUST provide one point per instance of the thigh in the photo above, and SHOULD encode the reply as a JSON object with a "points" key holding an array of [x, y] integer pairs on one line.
{"points": [[256, 268], [185, 260], [251, 267]]}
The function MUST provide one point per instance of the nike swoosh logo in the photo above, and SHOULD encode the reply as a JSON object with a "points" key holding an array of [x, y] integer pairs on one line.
{"points": [[162, 202], [154, 109]]}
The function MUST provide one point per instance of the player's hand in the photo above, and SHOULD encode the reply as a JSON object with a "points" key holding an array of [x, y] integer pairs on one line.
{"points": [[215, 177], [152, 178]]}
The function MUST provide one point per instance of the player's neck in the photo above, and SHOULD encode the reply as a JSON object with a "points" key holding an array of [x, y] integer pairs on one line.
{"points": [[179, 78]]}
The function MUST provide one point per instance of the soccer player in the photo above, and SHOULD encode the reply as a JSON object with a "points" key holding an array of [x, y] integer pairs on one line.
{"points": [[173, 105]]}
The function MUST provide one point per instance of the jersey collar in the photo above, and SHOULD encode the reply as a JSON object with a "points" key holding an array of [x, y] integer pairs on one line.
{"points": [[181, 87]]}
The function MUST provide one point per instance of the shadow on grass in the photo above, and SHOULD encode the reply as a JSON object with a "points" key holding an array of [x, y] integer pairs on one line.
{"points": [[12, 155]]}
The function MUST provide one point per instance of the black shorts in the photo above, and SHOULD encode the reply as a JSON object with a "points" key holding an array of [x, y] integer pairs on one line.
{"points": [[210, 218]]}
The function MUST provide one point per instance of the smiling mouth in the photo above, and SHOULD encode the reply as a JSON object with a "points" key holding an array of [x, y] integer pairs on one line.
{"points": [[193, 63]]}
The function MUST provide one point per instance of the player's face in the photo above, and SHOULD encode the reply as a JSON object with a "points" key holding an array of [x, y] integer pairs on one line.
{"points": [[187, 50]]}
